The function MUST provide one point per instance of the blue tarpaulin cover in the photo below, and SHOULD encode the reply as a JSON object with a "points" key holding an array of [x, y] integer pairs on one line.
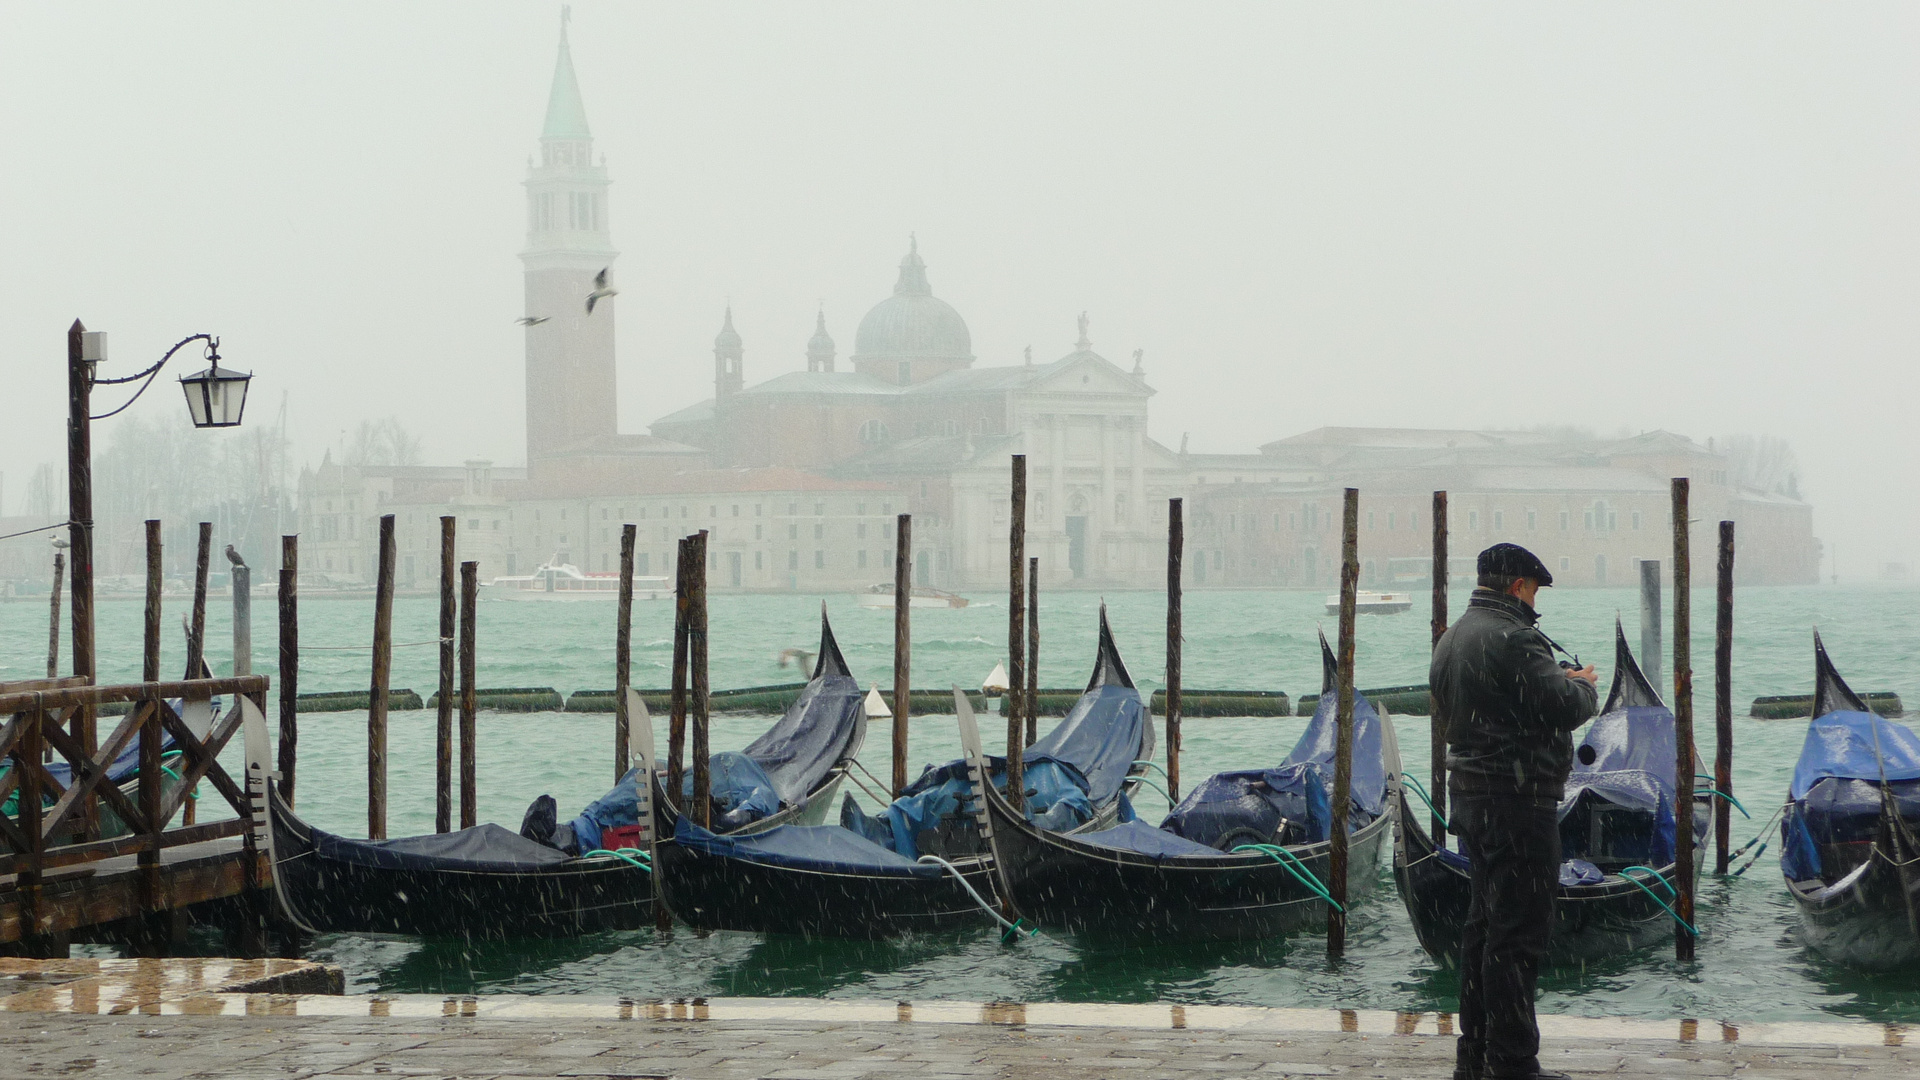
{"points": [[1633, 760], [1256, 800], [1840, 744], [826, 848], [817, 731], [1142, 838], [621, 806], [482, 848], [742, 790]]}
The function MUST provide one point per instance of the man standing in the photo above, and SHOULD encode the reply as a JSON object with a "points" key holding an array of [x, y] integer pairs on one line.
{"points": [[1509, 710]]}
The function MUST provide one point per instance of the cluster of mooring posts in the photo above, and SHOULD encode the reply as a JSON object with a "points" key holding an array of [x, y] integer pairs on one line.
{"points": [[105, 852]]}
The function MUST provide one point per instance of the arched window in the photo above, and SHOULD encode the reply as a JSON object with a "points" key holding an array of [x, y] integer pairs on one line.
{"points": [[873, 432]]}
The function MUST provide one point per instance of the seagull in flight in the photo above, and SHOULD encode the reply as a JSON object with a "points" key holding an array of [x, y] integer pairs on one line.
{"points": [[234, 557], [532, 320], [601, 290]]}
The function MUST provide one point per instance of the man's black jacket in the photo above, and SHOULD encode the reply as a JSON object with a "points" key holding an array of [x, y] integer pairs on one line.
{"points": [[1508, 706]]}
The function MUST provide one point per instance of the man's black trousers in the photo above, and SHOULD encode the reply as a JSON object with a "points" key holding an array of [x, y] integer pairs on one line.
{"points": [[1513, 844]]}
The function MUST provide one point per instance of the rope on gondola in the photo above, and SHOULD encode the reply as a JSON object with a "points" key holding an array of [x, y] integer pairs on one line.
{"points": [[1664, 906], [1155, 766], [1721, 794], [1760, 838], [1425, 798], [625, 854], [1156, 787], [1295, 867], [1011, 928]]}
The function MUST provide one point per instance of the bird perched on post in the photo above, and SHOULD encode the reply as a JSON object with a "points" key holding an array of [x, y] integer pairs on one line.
{"points": [[234, 557], [601, 290], [536, 320], [61, 543]]}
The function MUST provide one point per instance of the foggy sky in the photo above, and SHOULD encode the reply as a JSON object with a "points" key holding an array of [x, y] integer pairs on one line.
{"points": [[1616, 216]]}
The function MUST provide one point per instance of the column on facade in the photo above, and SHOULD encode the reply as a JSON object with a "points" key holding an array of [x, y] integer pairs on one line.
{"points": [[1104, 516], [1056, 496]]}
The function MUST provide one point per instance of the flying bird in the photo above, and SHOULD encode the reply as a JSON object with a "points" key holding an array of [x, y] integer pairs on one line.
{"points": [[234, 557], [536, 320], [601, 289]]}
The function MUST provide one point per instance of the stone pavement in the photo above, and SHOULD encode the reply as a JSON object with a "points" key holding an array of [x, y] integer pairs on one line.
{"points": [[171, 1020]]}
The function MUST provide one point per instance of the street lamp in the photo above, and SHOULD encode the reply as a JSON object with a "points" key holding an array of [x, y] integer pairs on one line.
{"points": [[215, 398]]}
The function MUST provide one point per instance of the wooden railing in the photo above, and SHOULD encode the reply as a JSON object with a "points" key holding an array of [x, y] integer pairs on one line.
{"points": [[60, 824]]}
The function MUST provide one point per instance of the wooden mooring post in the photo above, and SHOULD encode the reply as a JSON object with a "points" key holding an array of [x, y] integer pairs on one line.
{"points": [[377, 689], [677, 707], [242, 589], [1031, 706], [289, 603], [902, 645], [1176, 552], [150, 654], [53, 618], [1723, 700], [443, 717], [1016, 634], [1437, 724], [469, 694], [623, 653], [150, 731], [1343, 738], [1684, 764], [698, 699], [197, 618]]}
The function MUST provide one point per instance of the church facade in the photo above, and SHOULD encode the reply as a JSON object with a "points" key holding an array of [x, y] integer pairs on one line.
{"points": [[798, 477]]}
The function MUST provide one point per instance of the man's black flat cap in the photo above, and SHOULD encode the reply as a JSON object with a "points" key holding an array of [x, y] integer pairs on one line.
{"points": [[1512, 560]]}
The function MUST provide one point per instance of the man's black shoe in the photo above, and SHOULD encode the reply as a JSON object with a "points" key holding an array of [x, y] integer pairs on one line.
{"points": [[1542, 1074], [1468, 1074]]}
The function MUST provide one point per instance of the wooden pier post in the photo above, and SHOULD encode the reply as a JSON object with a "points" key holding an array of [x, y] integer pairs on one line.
{"points": [[697, 694], [1032, 706], [197, 620], [1176, 553], [443, 717], [469, 703], [1437, 724], [289, 602], [377, 690], [80, 517], [1684, 764], [1723, 700], [150, 655], [902, 645], [1650, 646], [1343, 739], [53, 618], [150, 730], [241, 577], [1016, 634], [623, 653], [677, 703]]}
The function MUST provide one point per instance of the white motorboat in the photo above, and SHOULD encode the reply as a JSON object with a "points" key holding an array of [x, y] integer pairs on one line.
{"points": [[565, 581], [1373, 603], [881, 596]]}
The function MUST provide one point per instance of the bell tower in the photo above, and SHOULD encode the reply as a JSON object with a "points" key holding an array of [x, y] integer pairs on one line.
{"points": [[570, 371]]}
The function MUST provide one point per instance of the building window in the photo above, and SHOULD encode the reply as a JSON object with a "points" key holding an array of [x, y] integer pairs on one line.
{"points": [[1390, 520], [819, 509], [819, 532], [511, 561], [1589, 529], [860, 558], [603, 561], [793, 532], [474, 524], [757, 508], [712, 511], [1563, 528], [1499, 520], [756, 531], [1531, 517], [736, 509], [1565, 563], [860, 531], [860, 509], [793, 508], [1293, 521], [1369, 529], [643, 568], [1413, 520], [819, 559], [793, 560], [1473, 525], [683, 511], [1636, 519]]}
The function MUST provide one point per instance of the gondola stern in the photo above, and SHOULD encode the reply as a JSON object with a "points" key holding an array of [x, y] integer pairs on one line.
{"points": [[830, 661], [1329, 668], [1631, 687], [1108, 668], [1831, 692]]}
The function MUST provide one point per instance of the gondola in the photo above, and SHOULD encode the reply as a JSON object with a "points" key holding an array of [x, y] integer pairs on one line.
{"points": [[878, 877], [1848, 849], [1244, 856], [488, 882], [1616, 838]]}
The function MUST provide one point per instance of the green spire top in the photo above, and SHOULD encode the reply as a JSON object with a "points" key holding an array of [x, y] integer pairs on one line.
{"points": [[566, 115]]}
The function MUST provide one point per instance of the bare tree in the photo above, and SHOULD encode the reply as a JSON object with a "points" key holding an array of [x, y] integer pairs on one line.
{"points": [[1763, 463]]}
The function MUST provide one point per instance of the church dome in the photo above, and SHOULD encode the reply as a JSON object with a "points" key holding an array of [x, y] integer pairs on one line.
{"points": [[913, 324]]}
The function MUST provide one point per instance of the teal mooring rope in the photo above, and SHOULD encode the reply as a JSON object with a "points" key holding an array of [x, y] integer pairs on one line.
{"points": [[1291, 864]]}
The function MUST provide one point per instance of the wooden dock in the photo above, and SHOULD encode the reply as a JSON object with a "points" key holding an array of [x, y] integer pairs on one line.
{"points": [[89, 854]]}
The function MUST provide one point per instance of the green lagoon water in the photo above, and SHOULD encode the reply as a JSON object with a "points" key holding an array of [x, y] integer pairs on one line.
{"points": [[1751, 965]]}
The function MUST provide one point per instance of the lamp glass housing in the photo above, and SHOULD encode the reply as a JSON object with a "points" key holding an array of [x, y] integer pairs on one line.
{"points": [[216, 397]]}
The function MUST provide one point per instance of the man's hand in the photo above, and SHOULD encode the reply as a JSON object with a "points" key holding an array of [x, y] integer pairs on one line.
{"points": [[1587, 673]]}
